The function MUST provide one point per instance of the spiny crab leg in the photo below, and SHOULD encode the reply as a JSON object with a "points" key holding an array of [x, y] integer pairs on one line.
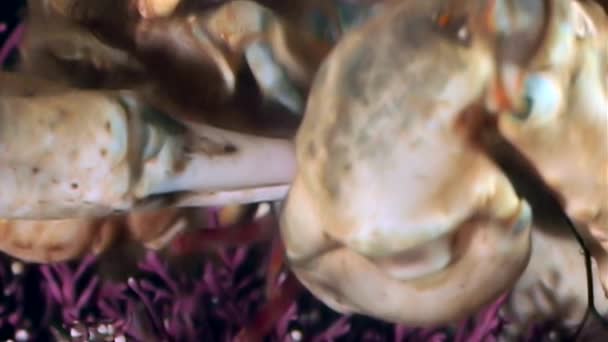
{"points": [[92, 153]]}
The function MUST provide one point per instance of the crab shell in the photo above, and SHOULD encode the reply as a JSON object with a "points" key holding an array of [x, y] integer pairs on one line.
{"points": [[566, 133], [393, 213]]}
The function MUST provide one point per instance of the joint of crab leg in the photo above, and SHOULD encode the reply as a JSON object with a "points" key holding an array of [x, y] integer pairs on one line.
{"points": [[95, 153], [225, 64], [242, 23], [210, 159], [193, 157]]}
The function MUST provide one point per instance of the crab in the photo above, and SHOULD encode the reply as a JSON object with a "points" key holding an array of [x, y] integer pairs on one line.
{"points": [[414, 147]]}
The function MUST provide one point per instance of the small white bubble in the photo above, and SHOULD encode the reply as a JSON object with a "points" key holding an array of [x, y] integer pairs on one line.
{"points": [[75, 333], [17, 267], [111, 330], [281, 278], [22, 335], [553, 335], [120, 338], [463, 33], [102, 329], [296, 335]]}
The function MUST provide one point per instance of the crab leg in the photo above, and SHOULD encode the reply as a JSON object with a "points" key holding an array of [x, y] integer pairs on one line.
{"points": [[214, 45], [156, 8], [46, 241], [85, 153]]}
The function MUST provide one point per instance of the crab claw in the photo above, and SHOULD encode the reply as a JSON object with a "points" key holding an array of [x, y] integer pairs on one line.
{"points": [[393, 212], [564, 131]]}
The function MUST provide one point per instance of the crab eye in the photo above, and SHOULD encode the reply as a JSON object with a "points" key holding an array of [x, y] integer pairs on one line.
{"points": [[542, 98]]}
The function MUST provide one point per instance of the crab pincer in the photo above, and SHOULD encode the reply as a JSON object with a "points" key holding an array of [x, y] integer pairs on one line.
{"points": [[394, 213]]}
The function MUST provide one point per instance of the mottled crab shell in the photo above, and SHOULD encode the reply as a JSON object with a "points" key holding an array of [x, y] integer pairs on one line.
{"points": [[393, 213], [566, 132]]}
